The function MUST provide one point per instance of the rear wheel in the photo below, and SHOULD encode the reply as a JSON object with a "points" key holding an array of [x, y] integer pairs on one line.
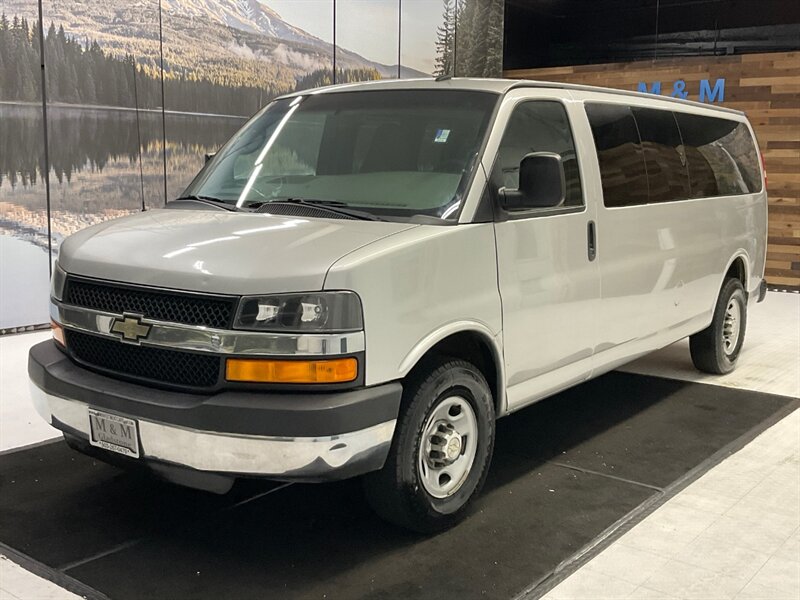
{"points": [[716, 349], [441, 450]]}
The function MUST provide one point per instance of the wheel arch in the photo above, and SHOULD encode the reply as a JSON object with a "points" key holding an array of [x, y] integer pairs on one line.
{"points": [[738, 267], [471, 341]]}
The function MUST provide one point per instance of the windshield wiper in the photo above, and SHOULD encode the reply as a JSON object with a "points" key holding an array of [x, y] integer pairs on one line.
{"points": [[216, 202], [333, 206]]}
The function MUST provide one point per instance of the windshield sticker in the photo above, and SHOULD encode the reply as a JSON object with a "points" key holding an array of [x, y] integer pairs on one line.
{"points": [[441, 136]]}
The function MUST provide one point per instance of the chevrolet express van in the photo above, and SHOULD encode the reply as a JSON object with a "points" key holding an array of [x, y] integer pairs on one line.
{"points": [[365, 277]]}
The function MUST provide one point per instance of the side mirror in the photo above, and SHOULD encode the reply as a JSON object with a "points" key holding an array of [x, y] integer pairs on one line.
{"points": [[210, 155], [541, 183]]}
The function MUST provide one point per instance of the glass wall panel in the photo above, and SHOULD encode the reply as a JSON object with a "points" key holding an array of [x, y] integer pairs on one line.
{"points": [[479, 38], [307, 48], [249, 54], [420, 22], [24, 262], [366, 39], [104, 96], [108, 118]]}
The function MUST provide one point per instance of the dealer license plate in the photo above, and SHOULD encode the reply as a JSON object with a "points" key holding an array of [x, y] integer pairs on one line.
{"points": [[114, 433]]}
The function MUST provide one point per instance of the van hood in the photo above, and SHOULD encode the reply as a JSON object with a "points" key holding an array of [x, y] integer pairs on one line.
{"points": [[219, 252]]}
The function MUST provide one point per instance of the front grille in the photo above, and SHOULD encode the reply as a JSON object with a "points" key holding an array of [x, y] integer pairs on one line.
{"points": [[155, 365], [174, 307]]}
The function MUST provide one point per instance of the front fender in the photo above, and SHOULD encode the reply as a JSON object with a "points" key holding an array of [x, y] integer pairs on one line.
{"points": [[429, 341], [493, 342]]}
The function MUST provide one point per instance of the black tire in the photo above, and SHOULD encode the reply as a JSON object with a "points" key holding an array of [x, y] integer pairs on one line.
{"points": [[709, 350], [396, 492]]}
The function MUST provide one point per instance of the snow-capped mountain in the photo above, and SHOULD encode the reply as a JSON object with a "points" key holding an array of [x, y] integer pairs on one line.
{"points": [[251, 16], [238, 42]]}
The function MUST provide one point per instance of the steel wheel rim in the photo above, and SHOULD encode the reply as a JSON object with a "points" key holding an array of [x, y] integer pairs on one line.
{"points": [[447, 447], [731, 326]]}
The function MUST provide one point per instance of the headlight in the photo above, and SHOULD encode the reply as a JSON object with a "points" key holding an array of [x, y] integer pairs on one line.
{"points": [[312, 312], [57, 282]]}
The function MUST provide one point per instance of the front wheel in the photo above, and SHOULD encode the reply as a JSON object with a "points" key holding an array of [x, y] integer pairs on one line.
{"points": [[716, 348], [441, 450]]}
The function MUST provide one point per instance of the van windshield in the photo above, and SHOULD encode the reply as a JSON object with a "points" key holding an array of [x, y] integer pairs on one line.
{"points": [[393, 154]]}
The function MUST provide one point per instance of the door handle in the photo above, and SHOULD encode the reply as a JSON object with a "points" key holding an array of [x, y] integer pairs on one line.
{"points": [[591, 234]]}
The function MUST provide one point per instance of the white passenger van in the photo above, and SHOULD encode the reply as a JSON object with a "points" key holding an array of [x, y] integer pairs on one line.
{"points": [[365, 277]]}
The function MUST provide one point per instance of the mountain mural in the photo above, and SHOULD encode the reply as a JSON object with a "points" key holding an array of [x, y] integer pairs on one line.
{"points": [[245, 15], [112, 151], [229, 42]]}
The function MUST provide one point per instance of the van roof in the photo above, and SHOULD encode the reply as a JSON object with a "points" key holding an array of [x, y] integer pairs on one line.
{"points": [[498, 86]]}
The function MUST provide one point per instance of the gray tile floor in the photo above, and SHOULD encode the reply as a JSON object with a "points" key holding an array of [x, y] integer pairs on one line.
{"points": [[735, 532], [732, 534], [18, 584]]}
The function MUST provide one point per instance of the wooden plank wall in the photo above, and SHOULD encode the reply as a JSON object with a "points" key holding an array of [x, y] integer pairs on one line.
{"points": [[767, 88]]}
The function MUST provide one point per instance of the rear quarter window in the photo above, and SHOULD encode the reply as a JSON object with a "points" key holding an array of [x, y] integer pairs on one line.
{"points": [[722, 156], [650, 156], [665, 159]]}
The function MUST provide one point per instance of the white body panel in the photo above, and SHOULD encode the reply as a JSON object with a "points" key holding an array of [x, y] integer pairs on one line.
{"points": [[217, 251], [662, 265], [551, 316], [418, 287], [550, 290]]}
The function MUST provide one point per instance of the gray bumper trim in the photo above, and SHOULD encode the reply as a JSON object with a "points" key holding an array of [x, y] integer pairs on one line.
{"points": [[302, 458]]}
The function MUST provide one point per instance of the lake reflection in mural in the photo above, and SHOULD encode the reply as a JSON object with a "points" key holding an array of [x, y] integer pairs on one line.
{"points": [[94, 163], [94, 173]]}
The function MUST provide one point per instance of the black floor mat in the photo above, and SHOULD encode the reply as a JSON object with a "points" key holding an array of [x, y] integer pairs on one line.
{"points": [[564, 470]]}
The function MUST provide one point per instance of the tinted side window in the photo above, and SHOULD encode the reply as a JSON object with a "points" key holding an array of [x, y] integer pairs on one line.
{"points": [[538, 126], [721, 154], [620, 155], [665, 161]]}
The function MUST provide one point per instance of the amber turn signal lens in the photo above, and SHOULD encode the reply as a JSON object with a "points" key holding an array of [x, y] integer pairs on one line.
{"points": [[338, 370], [58, 333]]}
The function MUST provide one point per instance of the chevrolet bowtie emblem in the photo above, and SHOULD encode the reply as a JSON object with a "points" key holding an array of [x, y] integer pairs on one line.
{"points": [[130, 327]]}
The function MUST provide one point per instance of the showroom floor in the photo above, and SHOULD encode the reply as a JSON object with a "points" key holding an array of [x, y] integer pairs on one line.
{"points": [[734, 532]]}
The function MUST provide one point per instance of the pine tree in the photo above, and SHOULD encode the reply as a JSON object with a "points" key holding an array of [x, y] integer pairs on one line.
{"points": [[5, 66], [2, 70], [465, 16], [445, 34], [35, 58], [83, 72], [494, 39], [478, 38], [26, 92], [88, 90]]}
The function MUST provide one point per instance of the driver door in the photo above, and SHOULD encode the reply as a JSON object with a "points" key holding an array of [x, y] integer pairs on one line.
{"points": [[549, 280]]}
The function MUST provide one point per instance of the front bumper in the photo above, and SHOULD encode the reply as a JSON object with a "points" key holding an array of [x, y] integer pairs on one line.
{"points": [[299, 436]]}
